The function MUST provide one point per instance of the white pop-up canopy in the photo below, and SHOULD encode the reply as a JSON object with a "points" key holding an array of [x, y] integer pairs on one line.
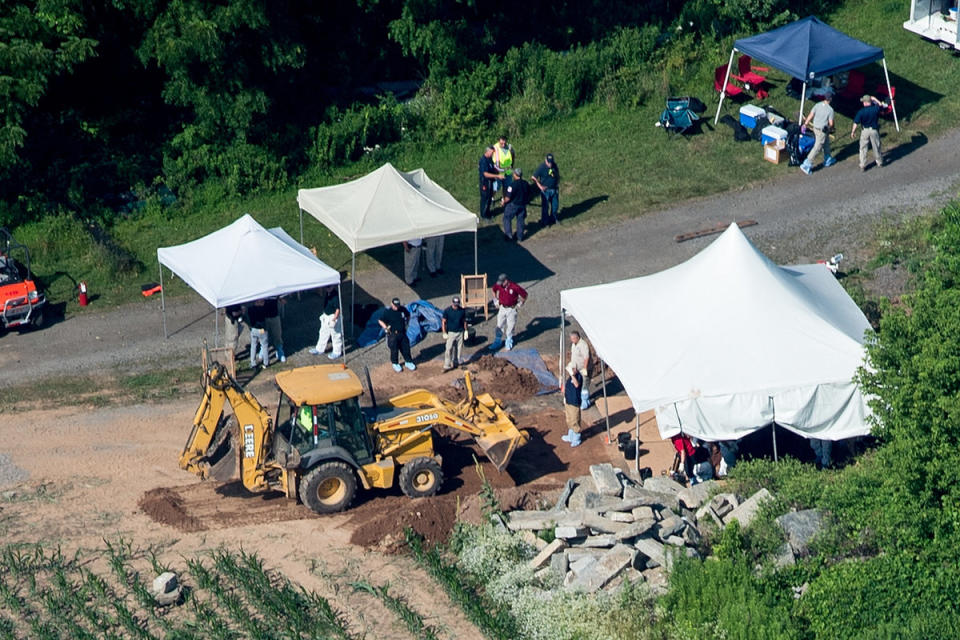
{"points": [[728, 342], [386, 206], [244, 261]]}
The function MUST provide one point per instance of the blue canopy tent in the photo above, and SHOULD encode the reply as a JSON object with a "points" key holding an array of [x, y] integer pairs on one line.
{"points": [[808, 49]]}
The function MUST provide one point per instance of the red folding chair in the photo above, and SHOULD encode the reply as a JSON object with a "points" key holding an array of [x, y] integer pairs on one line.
{"points": [[854, 88], [746, 72], [731, 90]]}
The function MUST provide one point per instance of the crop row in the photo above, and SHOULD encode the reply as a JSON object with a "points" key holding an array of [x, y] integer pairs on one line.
{"points": [[103, 595]]}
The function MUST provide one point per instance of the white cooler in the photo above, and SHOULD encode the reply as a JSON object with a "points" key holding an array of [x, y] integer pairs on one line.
{"points": [[751, 115], [774, 135]]}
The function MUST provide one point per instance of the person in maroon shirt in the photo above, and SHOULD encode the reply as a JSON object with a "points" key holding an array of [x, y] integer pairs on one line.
{"points": [[508, 297]]}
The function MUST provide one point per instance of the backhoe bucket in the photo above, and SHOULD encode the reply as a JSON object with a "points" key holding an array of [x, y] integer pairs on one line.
{"points": [[499, 445]]}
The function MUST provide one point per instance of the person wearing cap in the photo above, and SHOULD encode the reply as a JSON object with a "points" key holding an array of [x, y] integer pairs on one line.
{"points": [[580, 360], [515, 206], [571, 405], [508, 297], [547, 177], [394, 321], [331, 326], [504, 159], [868, 117], [454, 327], [488, 176], [411, 260], [822, 118]]}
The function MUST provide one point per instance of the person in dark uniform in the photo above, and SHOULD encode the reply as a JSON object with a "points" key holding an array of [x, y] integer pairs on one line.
{"points": [[868, 117], [275, 326], [547, 177], [454, 327], [257, 319], [488, 173], [394, 322], [515, 206]]}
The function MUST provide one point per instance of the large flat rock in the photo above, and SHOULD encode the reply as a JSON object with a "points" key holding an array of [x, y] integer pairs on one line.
{"points": [[606, 480], [598, 574], [747, 512], [693, 497], [531, 520], [801, 527]]}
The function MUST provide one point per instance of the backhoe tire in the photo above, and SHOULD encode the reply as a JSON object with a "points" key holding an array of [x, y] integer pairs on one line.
{"points": [[329, 488], [421, 478]]}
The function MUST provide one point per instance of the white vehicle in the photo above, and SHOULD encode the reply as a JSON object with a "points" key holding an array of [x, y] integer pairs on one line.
{"points": [[934, 20]]}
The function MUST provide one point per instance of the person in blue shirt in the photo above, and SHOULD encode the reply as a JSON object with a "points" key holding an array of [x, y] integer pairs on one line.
{"points": [[571, 406], [868, 117], [487, 173]]}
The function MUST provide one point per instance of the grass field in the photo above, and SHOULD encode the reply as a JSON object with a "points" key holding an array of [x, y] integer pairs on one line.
{"points": [[615, 164]]}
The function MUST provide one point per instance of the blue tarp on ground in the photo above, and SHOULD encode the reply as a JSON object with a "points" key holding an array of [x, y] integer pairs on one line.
{"points": [[424, 317], [530, 359], [809, 48]]}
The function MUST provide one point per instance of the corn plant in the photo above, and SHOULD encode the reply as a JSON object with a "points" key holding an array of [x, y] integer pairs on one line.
{"points": [[411, 619], [493, 622]]}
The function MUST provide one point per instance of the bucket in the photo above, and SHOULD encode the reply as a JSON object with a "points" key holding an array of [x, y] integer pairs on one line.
{"points": [[952, 13]]}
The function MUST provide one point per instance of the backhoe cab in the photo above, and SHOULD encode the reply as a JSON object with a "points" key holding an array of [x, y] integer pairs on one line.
{"points": [[321, 443], [21, 301]]}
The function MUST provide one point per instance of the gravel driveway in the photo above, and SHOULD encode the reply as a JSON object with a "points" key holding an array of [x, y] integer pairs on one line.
{"points": [[801, 219]]}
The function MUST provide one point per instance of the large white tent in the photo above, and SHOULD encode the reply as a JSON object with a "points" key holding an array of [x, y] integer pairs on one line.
{"points": [[386, 206], [728, 342], [244, 261]]}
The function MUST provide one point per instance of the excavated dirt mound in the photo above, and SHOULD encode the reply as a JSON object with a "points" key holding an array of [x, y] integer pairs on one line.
{"points": [[502, 379]]}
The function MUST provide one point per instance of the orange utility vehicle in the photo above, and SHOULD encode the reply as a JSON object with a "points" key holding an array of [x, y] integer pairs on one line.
{"points": [[21, 300]]}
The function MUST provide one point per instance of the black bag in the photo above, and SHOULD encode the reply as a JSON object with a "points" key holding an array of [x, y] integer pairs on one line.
{"points": [[740, 133]]}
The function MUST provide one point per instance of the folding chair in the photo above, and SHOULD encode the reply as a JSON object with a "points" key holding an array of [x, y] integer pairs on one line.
{"points": [[746, 72], [679, 116], [731, 90]]}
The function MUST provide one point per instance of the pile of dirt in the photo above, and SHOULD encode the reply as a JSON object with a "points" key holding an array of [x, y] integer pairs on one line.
{"points": [[502, 379], [167, 507]]}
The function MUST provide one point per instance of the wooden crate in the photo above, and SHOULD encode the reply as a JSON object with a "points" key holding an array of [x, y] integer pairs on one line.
{"points": [[474, 292]]}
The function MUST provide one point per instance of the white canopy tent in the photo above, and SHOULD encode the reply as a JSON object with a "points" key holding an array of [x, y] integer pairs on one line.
{"points": [[384, 207], [728, 342], [242, 262]]}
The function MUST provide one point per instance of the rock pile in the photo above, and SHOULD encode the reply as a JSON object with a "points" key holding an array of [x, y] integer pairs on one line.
{"points": [[607, 528]]}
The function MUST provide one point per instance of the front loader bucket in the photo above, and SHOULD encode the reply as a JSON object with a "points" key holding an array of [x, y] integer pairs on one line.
{"points": [[499, 446]]}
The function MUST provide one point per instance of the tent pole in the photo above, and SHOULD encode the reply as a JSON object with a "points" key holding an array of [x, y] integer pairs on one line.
{"points": [[723, 89], [476, 270], [636, 438], [773, 429], [301, 226], [803, 98], [353, 291], [606, 404], [562, 338], [890, 94], [216, 327], [342, 346], [163, 306]]}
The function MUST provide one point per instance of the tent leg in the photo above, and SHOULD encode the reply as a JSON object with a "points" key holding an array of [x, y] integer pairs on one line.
{"points": [[301, 226], [606, 405], [803, 98], [353, 292], [163, 306], [636, 458], [890, 94], [773, 429], [343, 346], [563, 317], [723, 89], [216, 327], [476, 269]]}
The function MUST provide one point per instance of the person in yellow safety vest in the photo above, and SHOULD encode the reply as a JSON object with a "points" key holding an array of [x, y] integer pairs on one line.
{"points": [[504, 158], [305, 422]]}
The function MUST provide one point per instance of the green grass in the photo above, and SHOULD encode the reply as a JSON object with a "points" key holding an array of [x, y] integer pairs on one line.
{"points": [[103, 389], [615, 164]]}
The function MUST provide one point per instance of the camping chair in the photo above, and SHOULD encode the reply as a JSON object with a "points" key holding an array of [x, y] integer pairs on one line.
{"points": [[854, 88], [746, 72], [731, 90], [881, 93], [679, 115]]}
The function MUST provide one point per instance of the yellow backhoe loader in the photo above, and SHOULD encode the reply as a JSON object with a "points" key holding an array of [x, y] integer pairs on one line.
{"points": [[321, 441]]}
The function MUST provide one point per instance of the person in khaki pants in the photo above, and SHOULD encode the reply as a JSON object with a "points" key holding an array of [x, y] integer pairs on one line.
{"points": [[571, 406], [454, 327], [868, 117]]}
